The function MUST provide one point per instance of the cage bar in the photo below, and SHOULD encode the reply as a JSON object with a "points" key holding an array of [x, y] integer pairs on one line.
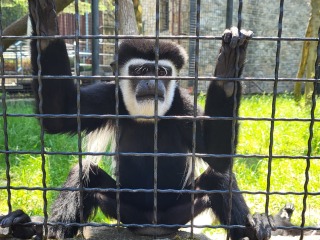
{"points": [[5, 119], [194, 43], [116, 61], [42, 142], [274, 99]]}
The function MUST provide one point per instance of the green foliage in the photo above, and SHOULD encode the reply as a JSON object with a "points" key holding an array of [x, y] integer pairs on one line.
{"points": [[85, 7], [13, 3], [290, 139], [12, 10]]}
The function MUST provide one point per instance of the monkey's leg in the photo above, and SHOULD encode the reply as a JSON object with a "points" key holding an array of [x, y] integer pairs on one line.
{"points": [[240, 214], [219, 202], [66, 208], [180, 212]]}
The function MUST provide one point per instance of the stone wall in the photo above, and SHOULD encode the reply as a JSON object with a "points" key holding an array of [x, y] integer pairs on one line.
{"points": [[259, 16], [262, 17]]}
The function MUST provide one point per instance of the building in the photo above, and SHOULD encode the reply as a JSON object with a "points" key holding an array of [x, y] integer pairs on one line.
{"points": [[178, 17]]}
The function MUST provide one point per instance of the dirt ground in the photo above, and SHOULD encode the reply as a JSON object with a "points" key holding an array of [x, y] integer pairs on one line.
{"points": [[105, 233], [124, 234]]}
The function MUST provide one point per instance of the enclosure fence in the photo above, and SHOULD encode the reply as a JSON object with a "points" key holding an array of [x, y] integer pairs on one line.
{"points": [[7, 154]]}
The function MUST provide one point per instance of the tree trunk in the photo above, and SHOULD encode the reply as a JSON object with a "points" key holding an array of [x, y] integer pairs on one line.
{"points": [[127, 18], [312, 56], [309, 55], [19, 27], [303, 63]]}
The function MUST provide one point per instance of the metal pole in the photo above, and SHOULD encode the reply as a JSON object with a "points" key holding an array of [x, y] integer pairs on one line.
{"points": [[192, 42], [229, 13], [95, 31], [87, 28]]}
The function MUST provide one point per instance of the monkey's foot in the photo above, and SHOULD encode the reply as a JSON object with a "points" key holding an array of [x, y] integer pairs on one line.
{"points": [[287, 211], [13, 221]]}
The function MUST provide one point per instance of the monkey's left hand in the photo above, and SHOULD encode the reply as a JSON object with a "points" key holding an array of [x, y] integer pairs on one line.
{"points": [[258, 227]]}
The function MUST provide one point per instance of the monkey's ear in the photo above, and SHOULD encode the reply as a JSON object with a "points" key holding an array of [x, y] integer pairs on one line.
{"points": [[113, 67]]}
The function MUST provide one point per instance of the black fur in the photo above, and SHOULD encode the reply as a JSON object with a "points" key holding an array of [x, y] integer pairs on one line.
{"points": [[145, 49]]}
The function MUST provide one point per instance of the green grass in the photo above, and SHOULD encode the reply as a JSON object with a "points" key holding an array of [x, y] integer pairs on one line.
{"points": [[25, 169], [290, 139]]}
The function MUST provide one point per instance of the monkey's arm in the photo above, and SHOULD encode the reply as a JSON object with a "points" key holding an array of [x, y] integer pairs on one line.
{"points": [[220, 136], [59, 96], [223, 99]]}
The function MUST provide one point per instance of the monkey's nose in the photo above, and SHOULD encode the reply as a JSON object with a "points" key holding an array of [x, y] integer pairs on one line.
{"points": [[146, 89], [151, 84]]}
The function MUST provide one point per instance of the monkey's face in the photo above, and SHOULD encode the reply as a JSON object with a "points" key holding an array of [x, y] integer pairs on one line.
{"points": [[140, 94]]}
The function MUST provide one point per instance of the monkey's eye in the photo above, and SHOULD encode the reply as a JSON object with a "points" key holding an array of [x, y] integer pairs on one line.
{"points": [[141, 70], [162, 71]]}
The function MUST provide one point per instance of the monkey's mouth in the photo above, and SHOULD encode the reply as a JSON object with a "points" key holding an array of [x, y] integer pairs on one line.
{"points": [[149, 97]]}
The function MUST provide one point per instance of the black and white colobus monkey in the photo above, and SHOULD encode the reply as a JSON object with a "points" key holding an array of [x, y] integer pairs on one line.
{"points": [[137, 58]]}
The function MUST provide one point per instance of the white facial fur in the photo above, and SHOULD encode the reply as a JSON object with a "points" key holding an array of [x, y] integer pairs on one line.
{"points": [[147, 107]]}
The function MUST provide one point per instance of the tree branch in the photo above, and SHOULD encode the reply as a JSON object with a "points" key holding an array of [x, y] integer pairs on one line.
{"points": [[19, 27]]}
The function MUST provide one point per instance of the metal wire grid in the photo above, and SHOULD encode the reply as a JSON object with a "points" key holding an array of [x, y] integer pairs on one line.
{"points": [[43, 158], [117, 110], [274, 99], [5, 120], [7, 152], [312, 113]]}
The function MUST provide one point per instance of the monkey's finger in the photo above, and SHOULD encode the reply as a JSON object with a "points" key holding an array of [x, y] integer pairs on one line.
{"points": [[245, 36], [227, 35], [250, 221], [235, 37], [289, 206], [247, 33]]}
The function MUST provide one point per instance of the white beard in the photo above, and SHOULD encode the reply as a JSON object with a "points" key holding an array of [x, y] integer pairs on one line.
{"points": [[147, 107]]}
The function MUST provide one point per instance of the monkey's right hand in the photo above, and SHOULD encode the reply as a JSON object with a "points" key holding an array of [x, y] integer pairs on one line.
{"points": [[232, 41], [43, 17], [11, 225], [232, 56]]}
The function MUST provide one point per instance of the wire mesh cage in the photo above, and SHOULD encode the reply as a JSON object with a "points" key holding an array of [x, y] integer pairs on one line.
{"points": [[272, 140]]}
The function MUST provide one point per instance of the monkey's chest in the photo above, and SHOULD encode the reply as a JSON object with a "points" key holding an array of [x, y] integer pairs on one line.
{"points": [[137, 166]]}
